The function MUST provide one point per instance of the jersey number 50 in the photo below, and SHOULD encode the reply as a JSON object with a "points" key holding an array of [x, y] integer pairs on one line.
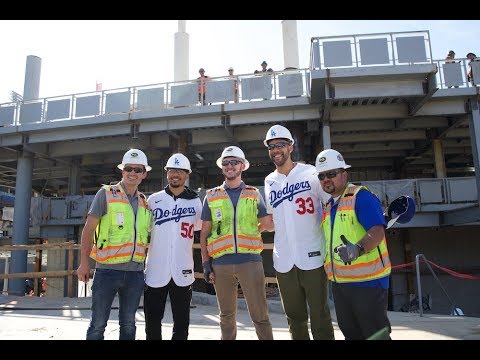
{"points": [[187, 230]]}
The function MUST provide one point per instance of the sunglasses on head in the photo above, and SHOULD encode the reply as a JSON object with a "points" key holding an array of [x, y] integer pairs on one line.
{"points": [[231, 162], [279, 145], [137, 170], [329, 175]]}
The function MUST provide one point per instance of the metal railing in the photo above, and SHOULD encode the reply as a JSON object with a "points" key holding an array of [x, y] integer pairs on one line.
{"points": [[451, 193], [419, 285], [387, 49], [69, 246], [453, 75], [365, 50], [170, 95], [443, 193], [153, 97]]}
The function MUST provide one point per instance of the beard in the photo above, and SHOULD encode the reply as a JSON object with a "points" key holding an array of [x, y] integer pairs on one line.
{"points": [[280, 161], [175, 183], [232, 176], [329, 189]]}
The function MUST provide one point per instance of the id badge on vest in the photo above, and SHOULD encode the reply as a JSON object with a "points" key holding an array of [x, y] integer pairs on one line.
{"points": [[218, 214], [120, 219]]}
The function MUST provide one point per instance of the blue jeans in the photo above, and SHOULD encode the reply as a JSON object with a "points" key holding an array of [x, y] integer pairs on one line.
{"points": [[106, 284]]}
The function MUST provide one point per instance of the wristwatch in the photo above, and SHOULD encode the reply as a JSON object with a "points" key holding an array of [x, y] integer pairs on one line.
{"points": [[361, 250]]}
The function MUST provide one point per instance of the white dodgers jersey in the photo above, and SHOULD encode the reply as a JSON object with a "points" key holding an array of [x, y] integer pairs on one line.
{"points": [[170, 254], [296, 202]]}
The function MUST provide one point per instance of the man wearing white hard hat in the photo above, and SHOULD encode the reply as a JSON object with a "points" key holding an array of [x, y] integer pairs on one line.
{"points": [[231, 245], [116, 236], [294, 197], [169, 272], [357, 261]]}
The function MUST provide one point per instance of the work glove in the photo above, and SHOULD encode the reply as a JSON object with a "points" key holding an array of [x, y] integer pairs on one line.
{"points": [[207, 270], [348, 251]]}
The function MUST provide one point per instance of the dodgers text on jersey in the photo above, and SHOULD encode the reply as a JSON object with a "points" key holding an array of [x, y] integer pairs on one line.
{"points": [[288, 192], [163, 215]]}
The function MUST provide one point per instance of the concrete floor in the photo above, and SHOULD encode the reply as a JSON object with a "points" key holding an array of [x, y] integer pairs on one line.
{"points": [[34, 318]]}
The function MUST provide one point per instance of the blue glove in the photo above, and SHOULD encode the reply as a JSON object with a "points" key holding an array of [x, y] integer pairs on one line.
{"points": [[207, 270], [348, 251]]}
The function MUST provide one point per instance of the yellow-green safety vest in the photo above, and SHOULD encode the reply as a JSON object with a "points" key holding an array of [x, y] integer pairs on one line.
{"points": [[120, 237], [221, 239], [371, 265]]}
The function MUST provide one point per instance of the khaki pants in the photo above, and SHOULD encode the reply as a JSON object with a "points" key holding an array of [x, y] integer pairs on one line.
{"points": [[251, 277]]}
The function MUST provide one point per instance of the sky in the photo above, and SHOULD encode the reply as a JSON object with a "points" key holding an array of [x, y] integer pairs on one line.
{"points": [[76, 54]]}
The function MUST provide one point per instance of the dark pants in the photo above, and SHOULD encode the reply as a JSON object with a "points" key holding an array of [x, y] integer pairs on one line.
{"points": [[201, 99], [304, 291], [361, 311], [154, 300]]}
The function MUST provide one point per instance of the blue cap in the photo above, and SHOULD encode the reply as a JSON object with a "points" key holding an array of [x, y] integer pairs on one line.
{"points": [[402, 209]]}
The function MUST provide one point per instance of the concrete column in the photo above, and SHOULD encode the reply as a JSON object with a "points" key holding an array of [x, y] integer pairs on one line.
{"points": [[182, 143], [440, 168], [72, 231], [74, 178], [21, 221], [56, 262], [31, 87], [23, 185], [327, 143], [181, 53], [182, 147], [298, 133], [474, 126], [290, 44]]}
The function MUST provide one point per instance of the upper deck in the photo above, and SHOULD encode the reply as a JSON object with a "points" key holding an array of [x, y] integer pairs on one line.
{"points": [[379, 99]]}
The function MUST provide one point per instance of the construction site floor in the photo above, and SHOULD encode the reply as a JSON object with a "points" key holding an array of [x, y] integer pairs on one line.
{"points": [[44, 318]]}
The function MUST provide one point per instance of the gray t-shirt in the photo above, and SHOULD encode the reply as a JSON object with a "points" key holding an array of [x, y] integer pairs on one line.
{"points": [[98, 209], [233, 259]]}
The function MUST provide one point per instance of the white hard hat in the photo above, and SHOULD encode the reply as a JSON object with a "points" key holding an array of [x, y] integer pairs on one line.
{"points": [[278, 132], [234, 151], [134, 156], [330, 159], [178, 161]]}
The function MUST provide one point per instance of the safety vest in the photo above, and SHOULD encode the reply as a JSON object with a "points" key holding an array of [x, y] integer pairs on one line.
{"points": [[369, 266], [120, 237], [221, 239]]}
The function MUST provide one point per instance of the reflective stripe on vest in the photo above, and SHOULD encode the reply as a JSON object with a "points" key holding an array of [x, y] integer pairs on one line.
{"points": [[221, 240], [372, 265], [117, 241]]}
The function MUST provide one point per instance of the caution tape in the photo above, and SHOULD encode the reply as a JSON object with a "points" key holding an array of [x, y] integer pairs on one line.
{"points": [[451, 272]]}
